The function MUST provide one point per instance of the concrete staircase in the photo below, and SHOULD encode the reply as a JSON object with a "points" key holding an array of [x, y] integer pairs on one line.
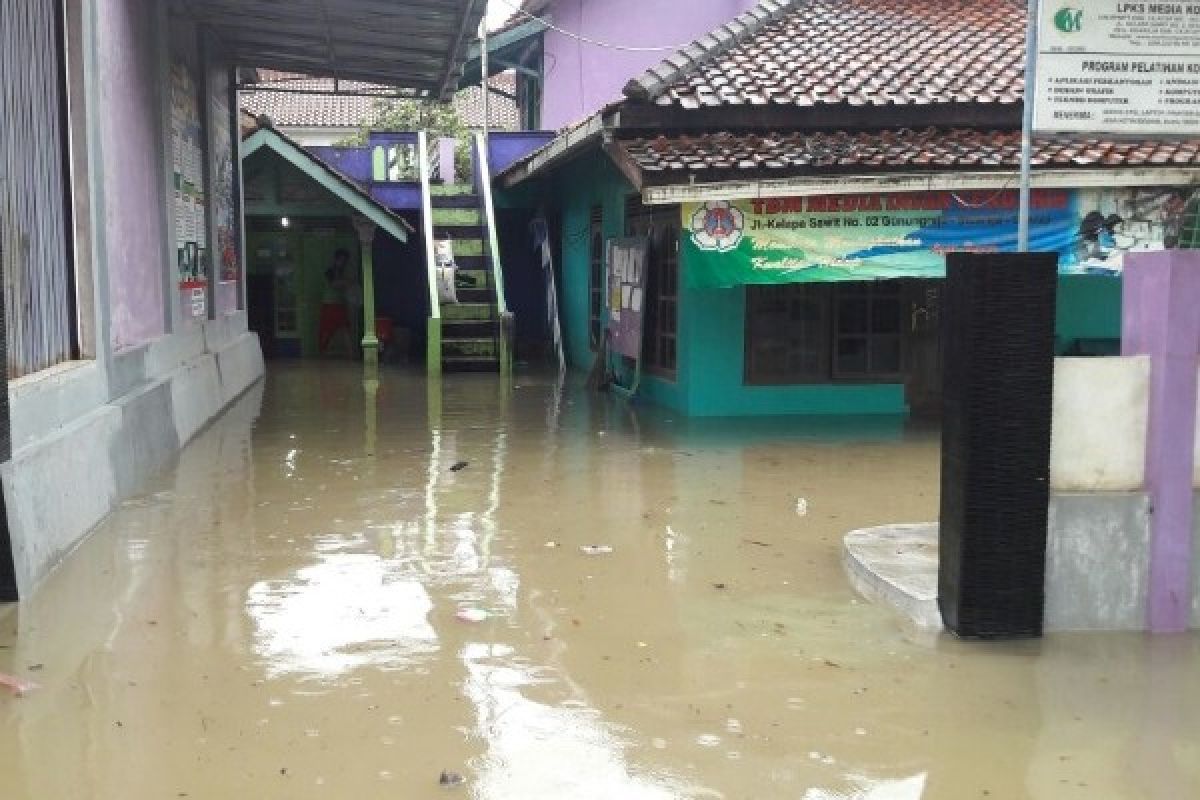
{"points": [[470, 329]]}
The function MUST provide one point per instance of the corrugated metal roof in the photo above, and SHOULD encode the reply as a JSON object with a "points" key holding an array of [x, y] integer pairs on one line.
{"points": [[416, 44]]}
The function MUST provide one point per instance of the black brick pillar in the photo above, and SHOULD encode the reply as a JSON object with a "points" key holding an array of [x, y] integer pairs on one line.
{"points": [[998, 339]]}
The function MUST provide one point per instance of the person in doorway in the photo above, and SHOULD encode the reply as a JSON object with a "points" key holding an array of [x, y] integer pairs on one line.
{"points": [[335, 316]]}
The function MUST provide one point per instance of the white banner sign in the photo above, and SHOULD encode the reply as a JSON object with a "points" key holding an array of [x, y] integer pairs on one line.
{"points": [[1117, 67]]}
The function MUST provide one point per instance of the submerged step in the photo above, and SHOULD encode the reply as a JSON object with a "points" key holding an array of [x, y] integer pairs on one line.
{"points": [[470, 364], [477, 347]]}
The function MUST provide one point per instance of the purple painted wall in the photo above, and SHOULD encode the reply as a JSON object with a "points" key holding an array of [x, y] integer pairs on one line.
{"points": [[581, 78], [1161, 295], [353, 162], [129, 114], [506, 148]]}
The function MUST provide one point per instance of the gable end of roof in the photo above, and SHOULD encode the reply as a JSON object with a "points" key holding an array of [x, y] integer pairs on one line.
{"points": [[655, 80]]}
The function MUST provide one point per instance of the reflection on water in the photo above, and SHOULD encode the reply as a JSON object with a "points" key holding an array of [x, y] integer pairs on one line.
{"points": [[279, 616], [347, 612], [904, 789], [536, 749]]}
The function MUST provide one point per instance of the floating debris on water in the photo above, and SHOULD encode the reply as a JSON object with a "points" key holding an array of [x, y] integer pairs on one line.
{"points": [[451, 779], [17, 686]]}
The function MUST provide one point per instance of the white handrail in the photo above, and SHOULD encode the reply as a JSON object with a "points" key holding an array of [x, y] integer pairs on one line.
{"points": [[435, 309], [489, 216]]}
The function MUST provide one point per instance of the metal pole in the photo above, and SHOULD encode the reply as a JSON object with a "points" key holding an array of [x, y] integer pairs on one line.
{"points": [[483, 68], [1031, 37]]}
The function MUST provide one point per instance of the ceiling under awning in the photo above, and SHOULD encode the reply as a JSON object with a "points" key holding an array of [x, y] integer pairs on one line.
{"points": [[412, 44]]}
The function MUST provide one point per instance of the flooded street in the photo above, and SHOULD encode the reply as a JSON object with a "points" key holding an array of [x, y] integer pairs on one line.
{"points": [[279, 617]]}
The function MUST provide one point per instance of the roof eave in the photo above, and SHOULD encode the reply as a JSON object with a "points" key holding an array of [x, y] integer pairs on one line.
{"points": [[335, 182], [689, 190], [562, 148]]}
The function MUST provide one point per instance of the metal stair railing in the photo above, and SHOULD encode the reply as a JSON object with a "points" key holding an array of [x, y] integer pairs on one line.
{"points": [[483, 181], [433, 354]]}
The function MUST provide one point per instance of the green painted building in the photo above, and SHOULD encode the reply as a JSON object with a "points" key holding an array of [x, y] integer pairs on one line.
{"points": [[796, 247]]}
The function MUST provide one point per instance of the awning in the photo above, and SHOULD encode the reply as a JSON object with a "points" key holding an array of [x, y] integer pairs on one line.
{"points": [[412, 44]]}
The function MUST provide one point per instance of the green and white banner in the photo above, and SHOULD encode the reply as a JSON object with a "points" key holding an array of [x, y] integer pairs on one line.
{"points": [[907, 235]]}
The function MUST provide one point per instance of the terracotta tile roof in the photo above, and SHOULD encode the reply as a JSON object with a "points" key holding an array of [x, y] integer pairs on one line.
{"points": [[302, 102], [849, 52], [794, 153]]}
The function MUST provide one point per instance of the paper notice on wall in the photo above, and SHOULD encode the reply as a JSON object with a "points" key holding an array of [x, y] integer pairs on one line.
{"points": [[625, 267]]}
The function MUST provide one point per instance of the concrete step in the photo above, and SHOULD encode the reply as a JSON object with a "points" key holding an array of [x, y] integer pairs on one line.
{"points": [[484, 294], [897, 565], [456, 216], [479, 278], [468, 201], [477, 263], [468, 328], [470, 311], [468, 247], [451, 189], [458, 232]]}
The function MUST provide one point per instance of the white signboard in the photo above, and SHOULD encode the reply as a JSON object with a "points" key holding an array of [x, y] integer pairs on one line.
{"points": [[1118, 67]]}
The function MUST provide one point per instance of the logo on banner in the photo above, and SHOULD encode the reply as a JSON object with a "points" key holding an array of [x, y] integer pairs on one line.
{"points": [[1069, 20], [718, 226]]}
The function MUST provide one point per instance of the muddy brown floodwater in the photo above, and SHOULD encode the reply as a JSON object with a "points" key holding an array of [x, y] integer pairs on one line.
{"points": [[278, 617]]}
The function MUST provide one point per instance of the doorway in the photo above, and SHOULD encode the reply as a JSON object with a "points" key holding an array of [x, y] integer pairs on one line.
{"points": [[289, 281]]}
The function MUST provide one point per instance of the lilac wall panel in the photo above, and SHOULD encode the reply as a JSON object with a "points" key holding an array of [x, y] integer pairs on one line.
{"points": [[582, 77], [129, 114], [504, 149]]}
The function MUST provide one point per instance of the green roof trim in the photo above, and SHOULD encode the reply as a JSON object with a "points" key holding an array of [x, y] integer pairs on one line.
{"points": [[330, 179]]}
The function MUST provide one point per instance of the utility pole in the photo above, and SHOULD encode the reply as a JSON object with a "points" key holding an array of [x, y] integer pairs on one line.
{"points": [[1031, 45]]}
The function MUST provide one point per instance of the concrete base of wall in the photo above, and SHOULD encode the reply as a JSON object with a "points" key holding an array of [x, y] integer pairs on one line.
{"points": [[1096, 564], [76, 455]]}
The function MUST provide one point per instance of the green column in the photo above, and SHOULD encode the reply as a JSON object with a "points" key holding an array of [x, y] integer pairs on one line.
{"points": [[370, 344]]}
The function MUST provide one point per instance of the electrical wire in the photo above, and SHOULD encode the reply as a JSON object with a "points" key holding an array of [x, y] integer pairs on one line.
{"points": [[626, 48], [1006, 186]]}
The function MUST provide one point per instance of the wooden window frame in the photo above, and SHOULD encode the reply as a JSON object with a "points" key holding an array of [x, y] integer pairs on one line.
{"points": [[660, 340], [830, 371], [596, 287]]}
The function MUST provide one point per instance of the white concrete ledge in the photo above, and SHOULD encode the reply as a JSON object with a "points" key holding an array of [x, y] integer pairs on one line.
{"points": [[1101, 407], [67, 475], [897, 565], [1097, 564]]}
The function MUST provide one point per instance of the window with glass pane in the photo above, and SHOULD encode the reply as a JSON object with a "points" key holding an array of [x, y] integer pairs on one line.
{"points": [[822, 332], [868, 329], [787, 334]]}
